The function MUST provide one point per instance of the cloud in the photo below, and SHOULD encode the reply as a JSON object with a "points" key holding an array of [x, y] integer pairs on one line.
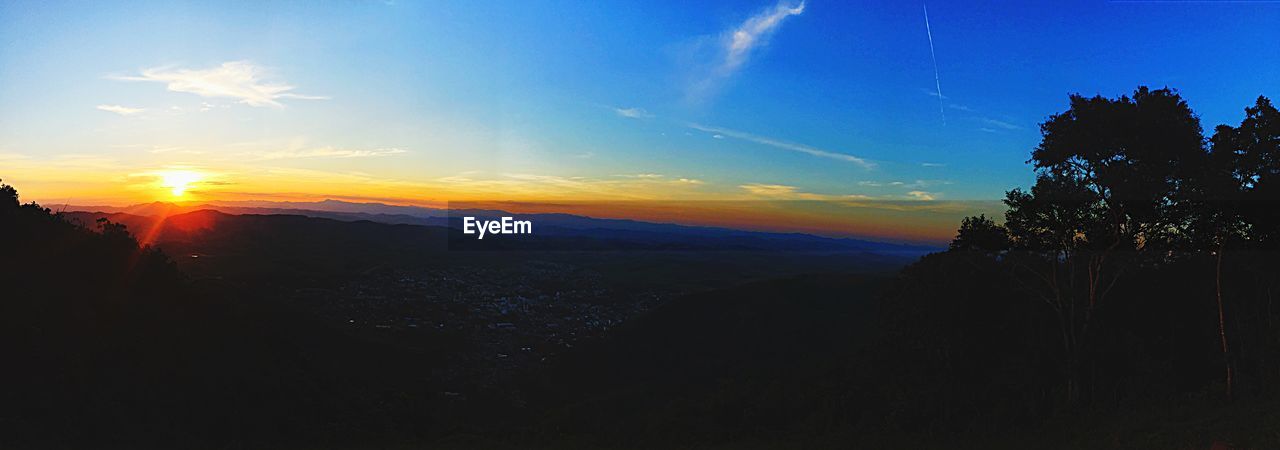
{"points": [[917, 184], [720, 133], [993, 124], [780, 191], [754, 32], [240, 80], [922, 195], [633, 113], [933, 93], [121, 110], [657, 177], [1000, 124], [930, 164], [326, 152], [735, 46], [786, 192], [642, 175], [641, 186]]}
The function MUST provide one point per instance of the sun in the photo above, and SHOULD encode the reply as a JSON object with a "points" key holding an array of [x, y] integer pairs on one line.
{"points": [[178, 180]]}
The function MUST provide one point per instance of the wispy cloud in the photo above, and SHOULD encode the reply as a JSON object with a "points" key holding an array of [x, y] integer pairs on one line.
{"points": [[641, 186], [661, 178], [633, 113], [722, 132], [642, 175], [993, 125], [240, 80], [930, 164], [785, 192], [1000, 124], [890, 201], [917, 184], [121, 110], [736, 45], [326, 152], [922, 195], [756, 31], [933, 93]]}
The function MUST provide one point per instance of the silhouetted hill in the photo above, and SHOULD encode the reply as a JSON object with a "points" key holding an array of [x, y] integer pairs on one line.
{"points": [[619, 232], [208, 243], [109, 346], [762, 361]]}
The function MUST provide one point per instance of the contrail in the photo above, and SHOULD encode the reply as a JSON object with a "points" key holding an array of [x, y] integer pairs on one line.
{"points": [[936, 79]]}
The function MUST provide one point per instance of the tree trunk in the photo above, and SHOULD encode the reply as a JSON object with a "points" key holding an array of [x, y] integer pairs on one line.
{"points": [[1222, 322]]}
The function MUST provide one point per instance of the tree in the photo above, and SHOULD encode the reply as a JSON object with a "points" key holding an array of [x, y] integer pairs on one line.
{"points": [[980, 234], [8, 197], [1107, 174], [1235, 197]]}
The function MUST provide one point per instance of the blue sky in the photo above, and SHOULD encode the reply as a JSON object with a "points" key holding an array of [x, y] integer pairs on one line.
{"points": [[813, 100]]}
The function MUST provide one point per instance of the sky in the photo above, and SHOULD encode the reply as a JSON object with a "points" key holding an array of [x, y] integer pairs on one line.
{"points": [[818, 101]]}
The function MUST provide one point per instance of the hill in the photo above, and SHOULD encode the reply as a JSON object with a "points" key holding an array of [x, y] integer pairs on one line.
{"points": [[616, 231]]}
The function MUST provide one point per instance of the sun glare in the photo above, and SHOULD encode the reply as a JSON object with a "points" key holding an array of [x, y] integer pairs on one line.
{"points": [[178, 180]]}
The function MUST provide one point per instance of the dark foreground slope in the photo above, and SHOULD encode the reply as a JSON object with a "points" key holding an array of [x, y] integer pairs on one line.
{"points": [[295, 332], [108, 345], [759, 362]]}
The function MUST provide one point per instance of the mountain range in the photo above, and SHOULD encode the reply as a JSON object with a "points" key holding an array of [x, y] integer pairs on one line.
{"points": [[619, 233]]}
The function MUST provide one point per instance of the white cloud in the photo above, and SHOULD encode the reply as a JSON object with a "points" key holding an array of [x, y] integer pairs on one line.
{"points": [[754, 32], [922, 195], [326, 152], [780, 191], [733, 48], [121, 110], [916, 184], [933, 93], [657, 177], [720, 133], [642, 175], [993, 123], [1000, 124], [239, 80], [633, 113], [930, 164], [785, 192]]}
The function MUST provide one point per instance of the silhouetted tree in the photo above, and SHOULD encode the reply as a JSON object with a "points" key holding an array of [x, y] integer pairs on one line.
{"points": [[981, 234], [8, 197], [1233, 198], [1107, 171]]}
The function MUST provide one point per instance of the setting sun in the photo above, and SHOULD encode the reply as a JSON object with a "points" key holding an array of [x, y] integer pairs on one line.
{"points": [[178, 180]]}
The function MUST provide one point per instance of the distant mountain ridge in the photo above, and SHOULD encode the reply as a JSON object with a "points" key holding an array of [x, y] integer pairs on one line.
{"points": [[548, 224]]}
